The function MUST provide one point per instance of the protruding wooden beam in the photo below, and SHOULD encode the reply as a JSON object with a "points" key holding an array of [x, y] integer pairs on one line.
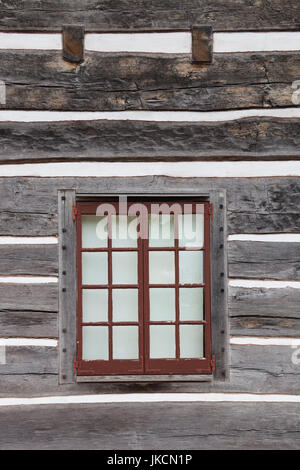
{"points": [[202, 44], [73, 43]]}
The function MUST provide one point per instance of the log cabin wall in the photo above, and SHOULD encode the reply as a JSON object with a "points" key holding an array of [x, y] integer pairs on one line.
{"points": [[158, 118]]}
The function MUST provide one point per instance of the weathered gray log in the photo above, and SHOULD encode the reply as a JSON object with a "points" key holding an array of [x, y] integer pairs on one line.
{"points": [[116, 82], [28, 310], [30, 360], [264, 312], [35, 297], [150, 15], [35, 260], [254, 369], [28, 206], [249, 138], [114, 426], [264, 260], [247, 260], [28, 324]]}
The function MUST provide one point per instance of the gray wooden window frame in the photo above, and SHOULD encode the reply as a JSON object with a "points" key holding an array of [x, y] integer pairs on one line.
{"points": [[68, 290]]}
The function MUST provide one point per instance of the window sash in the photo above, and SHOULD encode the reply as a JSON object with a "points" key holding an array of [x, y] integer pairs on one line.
{"points": [[144, 364]]}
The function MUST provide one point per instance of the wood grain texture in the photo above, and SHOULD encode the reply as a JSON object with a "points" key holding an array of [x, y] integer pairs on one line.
{"points": [[28, 324], [261, 260], [36, 297], [28, 260], [246, 260], [30, 360], [254, 369], [42, 80], [115, 426], [264, 312], [67, 286], [128, 15], [28, 310], [249, 138], [28, 206]]}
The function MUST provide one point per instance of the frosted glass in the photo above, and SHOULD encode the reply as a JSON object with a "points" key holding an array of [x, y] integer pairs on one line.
{"points": [[94, 268], [94, 343], [94, 231], [161, 230], [161, 267], [124, 231], [191, 267], [162, 342], [191, 230], [125, 342], [125, 267], [94, 305], [191, 341], [162, 304], [125, 305], [191, 304]]}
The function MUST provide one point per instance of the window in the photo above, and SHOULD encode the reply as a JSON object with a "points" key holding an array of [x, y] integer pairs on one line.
{"points": [[104, 302], [143, 286]]}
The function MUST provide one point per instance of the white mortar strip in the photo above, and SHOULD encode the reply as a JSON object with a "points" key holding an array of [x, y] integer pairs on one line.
{"points": [[28, 241], [258, 341], [27, 280], [276, 237], [253, 283], [156, 116], [246, 169], [52, 343], [178, 42], [152, 398]]}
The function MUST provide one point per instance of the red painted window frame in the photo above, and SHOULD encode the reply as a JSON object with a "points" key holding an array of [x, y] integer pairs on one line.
{"points": [[144, 365]]}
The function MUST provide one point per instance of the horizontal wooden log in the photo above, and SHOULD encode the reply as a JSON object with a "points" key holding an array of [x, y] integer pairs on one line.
{"points": [[264, 312], [32, 371], [28, 260], [148, 15], [28, 324], [261, 260], [28, 206], [246, 260], [113, 426], [42, 80], [30, 360], [29, 310], [249, 138], [33, 297]]}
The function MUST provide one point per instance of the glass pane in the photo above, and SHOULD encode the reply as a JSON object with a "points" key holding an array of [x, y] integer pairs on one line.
{"points": [[191, 341], [162, 304], [191, 304], [124, 231], [161, 230], [94, 268], [191, 267], [125, 342], [191, 230], [94, 343], [125, 267], [161, 267], [125, 305], [162, 341], [94, 305], [94, 231]]}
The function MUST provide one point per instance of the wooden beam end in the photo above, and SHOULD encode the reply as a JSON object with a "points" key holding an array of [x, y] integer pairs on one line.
{"points": [[73, 43], [202, 44]]}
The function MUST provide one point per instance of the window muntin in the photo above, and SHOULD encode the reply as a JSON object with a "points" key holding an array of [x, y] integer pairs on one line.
{"points": [[150, 301]]}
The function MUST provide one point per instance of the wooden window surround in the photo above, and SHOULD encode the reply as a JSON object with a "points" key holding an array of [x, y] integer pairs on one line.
{"points": [[213, 364]]}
